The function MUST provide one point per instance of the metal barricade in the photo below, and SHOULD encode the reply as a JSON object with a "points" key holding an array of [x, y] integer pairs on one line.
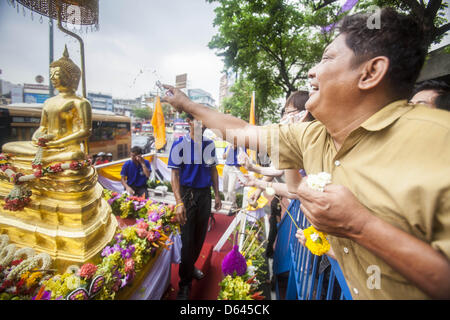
{"points": [[310, 277]]}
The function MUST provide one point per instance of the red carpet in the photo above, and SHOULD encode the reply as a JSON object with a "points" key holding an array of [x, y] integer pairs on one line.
{"points": [[210, 262]]}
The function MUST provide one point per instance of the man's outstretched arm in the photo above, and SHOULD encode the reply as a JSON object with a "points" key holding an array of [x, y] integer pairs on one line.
{"points": [[227, 127]]}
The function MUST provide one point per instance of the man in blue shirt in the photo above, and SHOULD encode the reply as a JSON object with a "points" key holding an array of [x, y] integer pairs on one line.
{"points": [[135, 173], [193, 162]]}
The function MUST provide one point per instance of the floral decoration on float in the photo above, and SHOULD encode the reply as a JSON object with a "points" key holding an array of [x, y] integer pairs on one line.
{"points": [[27, 277], [245, 271], [126, 206]]}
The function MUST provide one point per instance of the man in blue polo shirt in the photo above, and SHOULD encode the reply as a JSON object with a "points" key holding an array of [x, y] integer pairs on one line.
{"points": [[193, 162], [135, 173]]}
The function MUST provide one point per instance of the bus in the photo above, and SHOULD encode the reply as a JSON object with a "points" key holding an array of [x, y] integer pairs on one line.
{"points": [[137, 127], [180, 128], [110, 133], [147, 129]]}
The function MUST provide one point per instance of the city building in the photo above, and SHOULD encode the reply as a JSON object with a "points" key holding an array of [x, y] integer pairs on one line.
{"points": [[126, 106], [202, 97], [226, 82], [101, 101], [35, 93], [6, 88], [437, 65]]}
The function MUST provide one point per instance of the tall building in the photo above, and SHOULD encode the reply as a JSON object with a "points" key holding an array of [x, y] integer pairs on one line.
{"points": [[226, 82], [10, 92], [202, 97], [101, 101]]}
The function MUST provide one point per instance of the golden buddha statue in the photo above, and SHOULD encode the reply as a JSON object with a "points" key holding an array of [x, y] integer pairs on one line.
{"points": [[66, 119], [67, 216]]}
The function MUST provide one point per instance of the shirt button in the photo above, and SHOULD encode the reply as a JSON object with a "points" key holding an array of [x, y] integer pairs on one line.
{"points": [[345, 250], [337, 163], [355, 291]]}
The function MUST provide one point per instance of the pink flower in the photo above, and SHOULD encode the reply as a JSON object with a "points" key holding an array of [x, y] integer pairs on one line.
{"points": [[129, 265], [56, 168], [142, 225], [153, 236], [87, 270], [142, 233], [75, 165], [42, 142], [38, 173], [36, 166]]}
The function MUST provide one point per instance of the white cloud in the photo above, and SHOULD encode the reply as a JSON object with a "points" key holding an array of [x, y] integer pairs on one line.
{"points": [[138, 43]]}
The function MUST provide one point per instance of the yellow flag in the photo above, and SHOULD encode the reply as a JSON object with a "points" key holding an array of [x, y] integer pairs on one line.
{"points": [[252, 153], [252, 109], [159, 126]]}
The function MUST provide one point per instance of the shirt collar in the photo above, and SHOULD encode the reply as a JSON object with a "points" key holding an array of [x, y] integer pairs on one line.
{"points": [[387, 115], [189, 139]]}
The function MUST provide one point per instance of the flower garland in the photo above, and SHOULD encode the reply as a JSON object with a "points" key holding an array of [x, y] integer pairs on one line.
{"points": [[19, 277], [43, 259], [20, 195], [316, 241], [7, 254]]}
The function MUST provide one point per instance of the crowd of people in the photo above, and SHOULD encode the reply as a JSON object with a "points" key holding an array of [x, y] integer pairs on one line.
{"points": [[101, 158], [385, 144]]}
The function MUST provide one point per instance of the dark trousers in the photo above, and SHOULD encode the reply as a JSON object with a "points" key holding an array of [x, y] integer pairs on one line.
{"points": [[139, 191], [275, 211], [198, 210]]}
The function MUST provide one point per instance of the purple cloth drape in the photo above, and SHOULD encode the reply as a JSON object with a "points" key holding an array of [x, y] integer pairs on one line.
{"points": [[348, 5]]}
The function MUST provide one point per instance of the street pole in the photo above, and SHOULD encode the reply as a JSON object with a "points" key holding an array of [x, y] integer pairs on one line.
{"points": [[50, 86]]}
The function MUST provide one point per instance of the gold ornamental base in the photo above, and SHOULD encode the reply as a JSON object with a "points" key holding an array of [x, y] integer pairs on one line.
{"points": [[67, 218]]}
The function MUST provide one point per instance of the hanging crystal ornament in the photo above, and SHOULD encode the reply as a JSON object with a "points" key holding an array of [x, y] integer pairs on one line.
{"points": [[31, 15], [41, 20], [62, 11]]}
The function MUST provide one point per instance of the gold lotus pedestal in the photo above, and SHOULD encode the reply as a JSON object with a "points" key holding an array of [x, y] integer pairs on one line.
{"points": [[67, 217]]}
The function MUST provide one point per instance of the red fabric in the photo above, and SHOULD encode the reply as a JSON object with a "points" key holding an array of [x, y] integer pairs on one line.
{"points": [[210, 262]]}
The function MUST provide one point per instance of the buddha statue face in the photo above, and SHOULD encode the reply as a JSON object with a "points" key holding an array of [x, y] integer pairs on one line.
{"points": [[64, 74], [55, 77]]}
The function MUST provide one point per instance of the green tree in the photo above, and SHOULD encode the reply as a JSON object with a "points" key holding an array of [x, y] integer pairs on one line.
{"points": [[168, 112], [272, 42], [430, 14], [239, 103], [143, 113]]}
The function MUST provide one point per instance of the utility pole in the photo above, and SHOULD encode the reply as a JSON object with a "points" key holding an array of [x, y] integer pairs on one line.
{"points": [[50, 32]]}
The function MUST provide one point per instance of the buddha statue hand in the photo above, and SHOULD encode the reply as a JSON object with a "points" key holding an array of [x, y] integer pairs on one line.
{"points": [[41, 139]]}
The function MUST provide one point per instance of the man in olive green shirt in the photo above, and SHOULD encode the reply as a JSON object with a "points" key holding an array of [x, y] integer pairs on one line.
{"points": [[387, 211]]}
